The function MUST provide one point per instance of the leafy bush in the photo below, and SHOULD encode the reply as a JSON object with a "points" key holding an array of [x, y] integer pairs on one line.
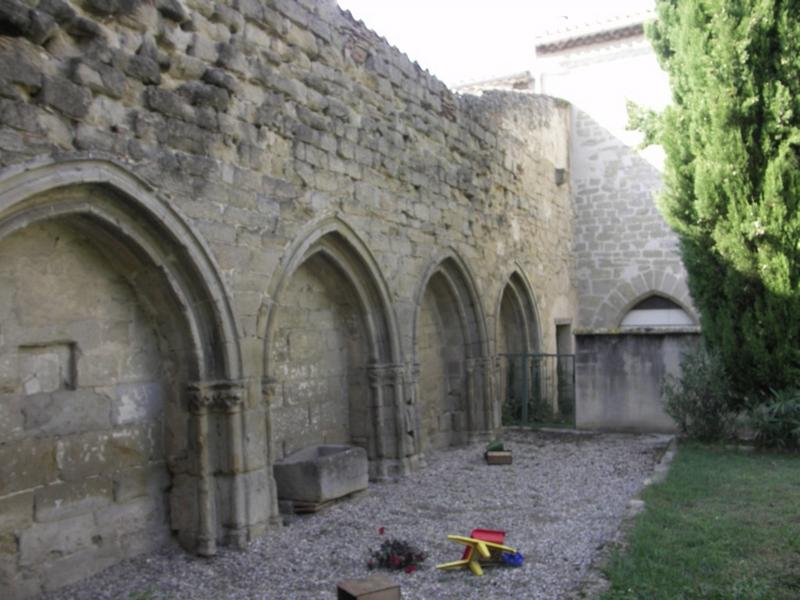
{"points": [[776, 423], [700, 400]]}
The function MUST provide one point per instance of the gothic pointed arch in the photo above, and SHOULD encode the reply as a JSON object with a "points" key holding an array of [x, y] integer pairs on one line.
{"points": [[332, 371], [518, 328], [130, 313], [105, 194], [454, 380]]}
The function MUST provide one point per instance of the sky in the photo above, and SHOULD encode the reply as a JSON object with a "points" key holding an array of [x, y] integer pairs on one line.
{"points": [[468, 40]]}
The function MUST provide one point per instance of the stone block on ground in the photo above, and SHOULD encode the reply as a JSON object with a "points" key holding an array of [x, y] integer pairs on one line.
{"points": [[322, 473]]}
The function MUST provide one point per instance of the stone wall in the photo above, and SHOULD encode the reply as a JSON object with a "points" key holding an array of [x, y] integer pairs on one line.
{"points": [[625, 252], [234, 170], [83, 470], [624, 249], [619, 377], [320, 355]]}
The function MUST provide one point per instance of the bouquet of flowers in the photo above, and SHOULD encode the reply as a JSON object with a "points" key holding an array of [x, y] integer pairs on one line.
{"points": [[396, 554]]}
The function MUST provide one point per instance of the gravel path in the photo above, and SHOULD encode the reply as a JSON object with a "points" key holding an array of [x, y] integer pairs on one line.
{"points": [[559, 503]]}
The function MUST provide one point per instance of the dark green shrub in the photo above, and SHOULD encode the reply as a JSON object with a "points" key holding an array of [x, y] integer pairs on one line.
{"points": [[700, 399], [776, 423]]}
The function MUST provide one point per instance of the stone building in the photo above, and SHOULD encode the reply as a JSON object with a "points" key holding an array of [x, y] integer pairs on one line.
{"points": [[635, 315], [232, 229]]}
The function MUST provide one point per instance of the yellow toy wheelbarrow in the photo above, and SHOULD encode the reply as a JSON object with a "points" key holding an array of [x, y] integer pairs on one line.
{"points": [[486, 549]]}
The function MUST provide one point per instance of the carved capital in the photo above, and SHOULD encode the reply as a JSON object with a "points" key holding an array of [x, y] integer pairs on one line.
{"points": [[199, 398], [225, 396], [269, 387], [385, 374]]}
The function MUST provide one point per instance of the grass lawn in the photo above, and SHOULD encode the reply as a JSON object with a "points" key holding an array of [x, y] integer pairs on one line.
{"points": [[724, 525]]}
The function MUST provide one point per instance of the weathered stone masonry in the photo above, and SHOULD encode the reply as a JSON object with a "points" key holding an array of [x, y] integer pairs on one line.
{"points": [[232, 229]]}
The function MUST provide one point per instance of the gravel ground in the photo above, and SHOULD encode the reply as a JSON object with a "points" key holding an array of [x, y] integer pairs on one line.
{"points": [[559, 503]]}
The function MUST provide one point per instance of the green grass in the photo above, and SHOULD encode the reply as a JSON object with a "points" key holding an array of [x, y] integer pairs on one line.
{"points": [[724, 525]]}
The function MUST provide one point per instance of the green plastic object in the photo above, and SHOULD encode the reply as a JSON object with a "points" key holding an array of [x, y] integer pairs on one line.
{"points": [[495, 446]]}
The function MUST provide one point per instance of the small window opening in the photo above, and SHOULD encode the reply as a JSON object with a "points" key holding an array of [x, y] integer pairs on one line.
{"points": [[657, 311]]}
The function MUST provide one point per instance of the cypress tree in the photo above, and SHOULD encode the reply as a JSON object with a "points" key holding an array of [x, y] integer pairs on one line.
{"points": [[732, 177]]}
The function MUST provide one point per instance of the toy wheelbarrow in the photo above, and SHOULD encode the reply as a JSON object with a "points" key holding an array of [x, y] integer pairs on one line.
{"points": [[479, 547]]}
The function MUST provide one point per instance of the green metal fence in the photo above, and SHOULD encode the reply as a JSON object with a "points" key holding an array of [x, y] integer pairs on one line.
{"points": [[539, 389]]}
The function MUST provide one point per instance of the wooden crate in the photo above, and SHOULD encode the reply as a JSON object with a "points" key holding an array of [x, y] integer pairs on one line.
{"points": [[498, 457], [376, 587]]}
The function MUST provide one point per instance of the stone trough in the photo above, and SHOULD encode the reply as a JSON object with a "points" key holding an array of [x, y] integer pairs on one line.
{"points": [[312, 477]]}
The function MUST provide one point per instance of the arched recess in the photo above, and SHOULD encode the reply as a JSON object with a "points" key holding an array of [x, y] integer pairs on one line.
{"points": [[453, 372], [518, 333], [128, 349], [516, 318], [654, 310], [332, 372], [629, 291]]}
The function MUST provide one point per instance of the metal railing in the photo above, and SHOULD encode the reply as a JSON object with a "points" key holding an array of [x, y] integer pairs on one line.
{"points": [[539, 389]]}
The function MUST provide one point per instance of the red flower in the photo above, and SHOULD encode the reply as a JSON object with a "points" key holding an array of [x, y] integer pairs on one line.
{"points": [[410, 568], [394, 560], [381, 530]]}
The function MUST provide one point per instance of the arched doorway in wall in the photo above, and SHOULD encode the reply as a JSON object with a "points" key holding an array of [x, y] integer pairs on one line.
{"points": [[332, 373], [109, 309], [454, 380], [518, 339]]}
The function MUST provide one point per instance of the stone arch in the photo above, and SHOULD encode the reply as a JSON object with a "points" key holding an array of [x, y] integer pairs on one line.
{"points": [[518, 331], [453, 373], [140, 247], [516, 305], [651, 294], [130, 207], [329, 275], [625, 294]]}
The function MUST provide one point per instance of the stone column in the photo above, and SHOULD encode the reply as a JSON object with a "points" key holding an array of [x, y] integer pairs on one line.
{"points": [[199, 402], [411, 412], [500, 390], [471, 393], [228, 398], [486, 367], [388, 401], [269, 387], [377, 442], [396, 378]]}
